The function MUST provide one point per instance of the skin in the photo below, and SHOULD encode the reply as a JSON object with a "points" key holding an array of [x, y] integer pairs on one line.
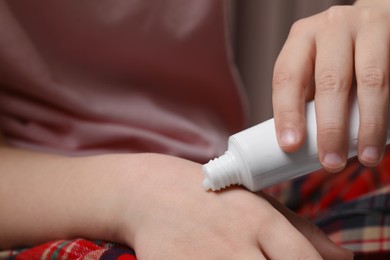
{"points": [[328, 56], [151, 202], [156, 204]]}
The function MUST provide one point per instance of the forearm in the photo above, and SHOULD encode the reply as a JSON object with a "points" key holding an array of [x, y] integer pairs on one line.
{"points": [[45, 197], [153, 203]]}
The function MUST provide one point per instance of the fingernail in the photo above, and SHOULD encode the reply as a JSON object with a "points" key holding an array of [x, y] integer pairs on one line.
{"points": [[288, 137], [370, 154], [332, 161]]}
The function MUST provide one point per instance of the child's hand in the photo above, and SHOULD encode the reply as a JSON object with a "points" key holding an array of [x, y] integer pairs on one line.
{"points": [[322, 56], [153, 203], [171, 216]]}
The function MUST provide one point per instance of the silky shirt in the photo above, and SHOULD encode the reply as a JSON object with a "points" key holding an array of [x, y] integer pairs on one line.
{"points": [[97, 76]]}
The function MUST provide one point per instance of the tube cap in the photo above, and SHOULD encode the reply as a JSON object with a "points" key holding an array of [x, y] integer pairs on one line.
{"points": [[221, 172]]}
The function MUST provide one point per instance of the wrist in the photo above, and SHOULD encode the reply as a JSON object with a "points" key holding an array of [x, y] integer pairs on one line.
{"points": [[109, 182], [122, 192]]}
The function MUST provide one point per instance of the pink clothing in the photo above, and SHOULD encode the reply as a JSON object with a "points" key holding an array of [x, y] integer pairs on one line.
{"points": [[83, 77]]}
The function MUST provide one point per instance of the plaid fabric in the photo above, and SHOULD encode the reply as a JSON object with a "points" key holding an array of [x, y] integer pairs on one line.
{"points": [[320, 191], [72, 249], [352, 207], [362, 225], [313, 194]]}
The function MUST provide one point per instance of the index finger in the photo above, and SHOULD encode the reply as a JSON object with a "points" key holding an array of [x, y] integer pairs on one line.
{"points": [[293, 73], [325, 246], [278, 233]]}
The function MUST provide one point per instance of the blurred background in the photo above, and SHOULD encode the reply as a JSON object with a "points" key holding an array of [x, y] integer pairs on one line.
{"points": [[260, 28]]}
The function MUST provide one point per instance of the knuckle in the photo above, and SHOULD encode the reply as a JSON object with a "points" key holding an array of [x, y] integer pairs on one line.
{"points": [[330, 128], [265, 227], [340, 14], [372, 15], [299, 27], [337, 14], [328, 82], [372, 78], [280, 80], [370, 128], [288, 116]]}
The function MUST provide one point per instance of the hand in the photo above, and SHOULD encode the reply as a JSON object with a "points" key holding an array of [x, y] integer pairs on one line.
{"points": [[173, 217], [321, 57], [153, 203]]}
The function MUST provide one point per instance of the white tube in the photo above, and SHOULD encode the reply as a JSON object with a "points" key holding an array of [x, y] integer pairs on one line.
{"points": [[255, 160]]}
